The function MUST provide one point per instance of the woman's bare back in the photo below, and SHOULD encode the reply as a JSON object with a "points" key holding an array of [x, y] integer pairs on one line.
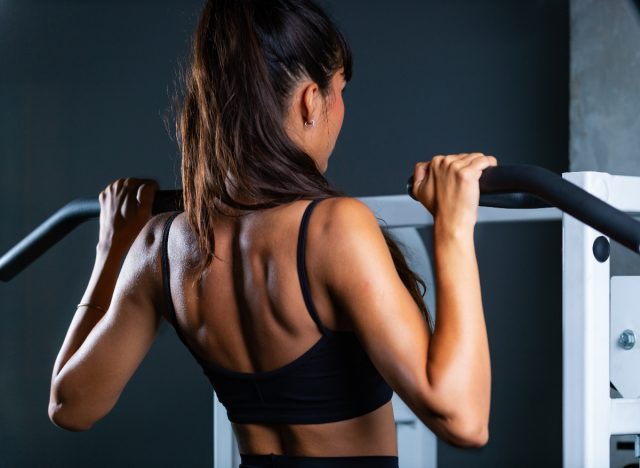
{"points": [[248, 315]]}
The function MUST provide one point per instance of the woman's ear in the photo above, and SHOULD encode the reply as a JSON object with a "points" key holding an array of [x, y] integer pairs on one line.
{"points": [[310, 102]]}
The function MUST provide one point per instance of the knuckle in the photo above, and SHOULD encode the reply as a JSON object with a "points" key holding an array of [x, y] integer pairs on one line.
{"points": [[449, 160], [465, 175]]}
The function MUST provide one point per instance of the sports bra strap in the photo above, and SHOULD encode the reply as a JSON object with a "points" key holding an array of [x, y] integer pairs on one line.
{"points": [[302, 272], [166, 277]]}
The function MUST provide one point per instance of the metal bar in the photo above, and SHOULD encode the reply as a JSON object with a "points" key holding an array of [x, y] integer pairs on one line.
{"points": [[568, 197], [518, 186], [61, 223], [224, 444], [402, 211]]}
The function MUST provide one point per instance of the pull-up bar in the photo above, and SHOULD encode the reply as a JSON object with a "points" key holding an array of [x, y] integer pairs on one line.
{"points": [[510, 187]]}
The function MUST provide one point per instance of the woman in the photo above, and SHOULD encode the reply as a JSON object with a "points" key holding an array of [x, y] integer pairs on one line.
{"points": [[301, 310]]}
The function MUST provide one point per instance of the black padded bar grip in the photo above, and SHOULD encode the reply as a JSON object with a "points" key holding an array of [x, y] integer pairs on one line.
{"points": [[567, 197], [503, 181], [511, 200], [502, 199], [61, 223]]}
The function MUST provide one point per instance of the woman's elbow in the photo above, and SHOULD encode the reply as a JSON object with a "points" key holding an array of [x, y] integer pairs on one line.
{"points": [[470, 435], [463, 428], [61, 418]]}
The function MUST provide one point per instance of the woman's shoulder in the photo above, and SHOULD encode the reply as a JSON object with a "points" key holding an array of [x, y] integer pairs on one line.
{"points": [[149, 244], [154, 231], [343, 230], [344, 217]]}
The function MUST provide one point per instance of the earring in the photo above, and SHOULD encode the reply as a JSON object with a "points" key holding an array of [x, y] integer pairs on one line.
{"points": [[310, 124]]}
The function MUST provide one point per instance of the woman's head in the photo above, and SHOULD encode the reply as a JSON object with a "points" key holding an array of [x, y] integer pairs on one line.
{"points": [[243, 136]]}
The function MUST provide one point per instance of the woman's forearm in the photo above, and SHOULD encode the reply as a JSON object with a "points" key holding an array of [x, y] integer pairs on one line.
{"points": [[75, 401], [458, 364], [99, 292]]}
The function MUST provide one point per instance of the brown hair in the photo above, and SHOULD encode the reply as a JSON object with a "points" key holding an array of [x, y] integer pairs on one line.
{"points": [[246, 59]]}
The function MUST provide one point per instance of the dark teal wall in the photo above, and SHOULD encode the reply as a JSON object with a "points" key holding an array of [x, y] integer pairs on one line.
{"points": [[83, 88]]}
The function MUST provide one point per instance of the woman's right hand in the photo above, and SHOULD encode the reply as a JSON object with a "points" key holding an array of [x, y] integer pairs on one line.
{"points": [[448, 187], [125, 208]]}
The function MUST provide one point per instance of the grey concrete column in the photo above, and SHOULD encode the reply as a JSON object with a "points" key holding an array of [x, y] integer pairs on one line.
{"points": [[605, 96]]}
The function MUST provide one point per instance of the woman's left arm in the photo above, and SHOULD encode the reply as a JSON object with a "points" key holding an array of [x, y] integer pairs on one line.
{"points": [[111, 331]]}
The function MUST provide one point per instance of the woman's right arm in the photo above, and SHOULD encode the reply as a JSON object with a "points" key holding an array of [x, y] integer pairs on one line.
{"points": [[444, 377]]}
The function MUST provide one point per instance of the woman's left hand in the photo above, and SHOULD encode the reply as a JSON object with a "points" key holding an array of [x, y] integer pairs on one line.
{"points": [[125, 208]]}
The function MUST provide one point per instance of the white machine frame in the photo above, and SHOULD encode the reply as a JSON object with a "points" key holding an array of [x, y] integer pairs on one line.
{"points": [[590, 415]]}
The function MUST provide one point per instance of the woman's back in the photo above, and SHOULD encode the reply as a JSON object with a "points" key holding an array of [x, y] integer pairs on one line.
{"points": [[248, 315]]}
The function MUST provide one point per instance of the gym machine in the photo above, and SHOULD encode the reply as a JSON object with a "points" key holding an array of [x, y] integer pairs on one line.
{"points": [[599, 322]]}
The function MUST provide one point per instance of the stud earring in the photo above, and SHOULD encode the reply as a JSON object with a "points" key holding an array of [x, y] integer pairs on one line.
{"points": [[310, 124]]}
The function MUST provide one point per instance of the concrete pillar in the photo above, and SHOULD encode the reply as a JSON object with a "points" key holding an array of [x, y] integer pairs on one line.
{"points": [[605, 96]]}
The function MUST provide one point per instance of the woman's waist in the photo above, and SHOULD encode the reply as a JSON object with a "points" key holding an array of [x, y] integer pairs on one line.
{"points": [[371, 434]]}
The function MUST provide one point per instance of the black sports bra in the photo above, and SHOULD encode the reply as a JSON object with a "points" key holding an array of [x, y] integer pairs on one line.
{"points": [[334, 380]]}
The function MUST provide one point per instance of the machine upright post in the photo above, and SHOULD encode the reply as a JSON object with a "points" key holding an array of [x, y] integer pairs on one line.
{"points": [[585, 332]]}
